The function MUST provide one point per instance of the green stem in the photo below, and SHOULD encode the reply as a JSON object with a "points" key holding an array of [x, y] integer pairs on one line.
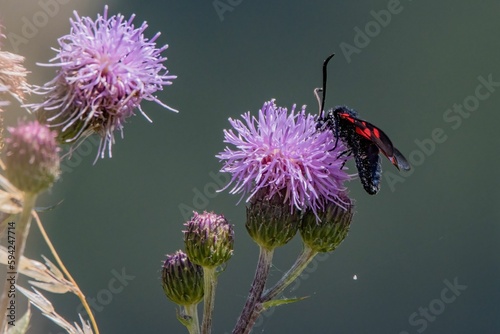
{"points": [[291, 275], [193, 324], [22, 231], [210, 284], [244, 324]]}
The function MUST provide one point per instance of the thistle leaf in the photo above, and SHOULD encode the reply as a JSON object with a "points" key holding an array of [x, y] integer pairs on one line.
{"points": [[279, 302]]}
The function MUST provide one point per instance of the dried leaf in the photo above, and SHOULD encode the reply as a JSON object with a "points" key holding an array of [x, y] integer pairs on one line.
{"points": [[86, 328], [22, 324], [44, 305], [50, 287], [48, 277], [11, 200], [53, 268], [10, 203], [48, 208]]}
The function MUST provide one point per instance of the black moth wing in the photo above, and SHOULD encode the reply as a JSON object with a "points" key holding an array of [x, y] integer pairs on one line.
{"points": [[374, 134], [365, 151], [401, 162], [367, 158]]}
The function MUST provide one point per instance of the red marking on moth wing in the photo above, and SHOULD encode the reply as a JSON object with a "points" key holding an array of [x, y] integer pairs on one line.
{"points": [[376, 132], [366, 132], [347, 117]]}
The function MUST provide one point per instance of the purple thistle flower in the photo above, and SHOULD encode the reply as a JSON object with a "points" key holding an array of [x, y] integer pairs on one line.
{"points": [[281, 153], [106, 68]]}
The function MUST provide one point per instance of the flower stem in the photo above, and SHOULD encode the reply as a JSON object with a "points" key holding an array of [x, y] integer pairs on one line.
{"points": [[210, 284], [291, 275], [244, 324], [77, 291], [22, 231], [193, 324]]}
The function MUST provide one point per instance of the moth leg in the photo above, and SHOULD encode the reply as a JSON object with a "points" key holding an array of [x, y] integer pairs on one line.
{"points": [[347, 153], [336, 142]]}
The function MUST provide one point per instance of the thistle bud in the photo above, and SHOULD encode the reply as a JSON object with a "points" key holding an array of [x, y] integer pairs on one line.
{"points": [[32, 160], [182, 280], [270, 222], [326, 234], [209, 239]]}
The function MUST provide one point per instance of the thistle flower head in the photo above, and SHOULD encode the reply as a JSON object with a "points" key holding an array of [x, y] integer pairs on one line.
{"points": [[182, 280], [32, 160], [327, 233], [283, 155], [106, 67], [209, 239], [270, 223]]}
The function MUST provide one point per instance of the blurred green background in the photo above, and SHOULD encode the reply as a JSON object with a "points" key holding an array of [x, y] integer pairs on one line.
{"points": [[437, 224]]}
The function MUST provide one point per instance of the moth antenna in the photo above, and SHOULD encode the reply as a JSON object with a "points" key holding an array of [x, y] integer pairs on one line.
{"points": [[325, 63], [316, 93]]}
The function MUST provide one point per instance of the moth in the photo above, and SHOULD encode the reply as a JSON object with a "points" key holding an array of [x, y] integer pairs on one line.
{"points": [[363, 140]]}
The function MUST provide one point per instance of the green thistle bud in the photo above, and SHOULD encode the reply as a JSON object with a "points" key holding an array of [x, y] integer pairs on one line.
{"points": [[270, 222], [327, 234], [32, 160], [182, 280], [209, 239]]}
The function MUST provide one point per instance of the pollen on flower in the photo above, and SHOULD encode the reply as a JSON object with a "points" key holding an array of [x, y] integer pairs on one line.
{"points": [[106, 68], [281, 153]]}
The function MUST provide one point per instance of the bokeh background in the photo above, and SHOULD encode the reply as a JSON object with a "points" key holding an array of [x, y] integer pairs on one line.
{"points": [[439, 224]]}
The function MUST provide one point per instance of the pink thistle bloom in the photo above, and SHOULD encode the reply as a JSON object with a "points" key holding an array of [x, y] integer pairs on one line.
{"points": [[282, 154], [106, 68]]}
